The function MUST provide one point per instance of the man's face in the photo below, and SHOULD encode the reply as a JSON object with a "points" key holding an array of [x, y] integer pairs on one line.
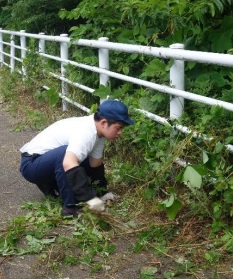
{"points": [[113, 131]]}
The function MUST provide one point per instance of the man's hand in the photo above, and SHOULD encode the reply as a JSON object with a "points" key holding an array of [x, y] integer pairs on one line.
{"points": [[108, 197], [96, 204]]}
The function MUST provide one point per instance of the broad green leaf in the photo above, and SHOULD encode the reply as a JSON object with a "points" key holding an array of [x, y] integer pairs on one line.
{"points": [[145, 103], [125, 69], [148, 272], [169, 202], [201, 169], [212, 9], [205, 118], [192, 177], [219, 5], [134, 56], [221, 38], [94, 108], [205, 157], [48, 240], [158, 97], [155, 67], [173, 209], [228, 140], [102, 92], [53, 96], [218, 148]]}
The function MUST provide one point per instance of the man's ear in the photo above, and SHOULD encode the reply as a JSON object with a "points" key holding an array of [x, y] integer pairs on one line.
{"points": [[103, 122]]}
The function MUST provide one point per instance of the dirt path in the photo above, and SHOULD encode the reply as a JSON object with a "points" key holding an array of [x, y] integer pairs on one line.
{"points": [[14, 190]]}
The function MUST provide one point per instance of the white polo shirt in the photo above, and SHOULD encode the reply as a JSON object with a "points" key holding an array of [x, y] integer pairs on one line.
{"points": [[78, 133]]}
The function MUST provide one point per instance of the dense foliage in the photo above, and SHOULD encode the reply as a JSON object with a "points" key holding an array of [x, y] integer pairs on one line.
{"points": [[35, 16], [199, 25], [156, 22]]}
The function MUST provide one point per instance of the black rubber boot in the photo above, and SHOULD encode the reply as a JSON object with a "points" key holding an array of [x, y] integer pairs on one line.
{"points": [[48, 191], [73, 211]]}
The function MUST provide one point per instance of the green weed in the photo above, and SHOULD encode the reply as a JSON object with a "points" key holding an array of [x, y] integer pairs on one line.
{"points": [[42, 226]]}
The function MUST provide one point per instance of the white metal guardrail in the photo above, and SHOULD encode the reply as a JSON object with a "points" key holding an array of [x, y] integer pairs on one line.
{"points": [[175, 52]]}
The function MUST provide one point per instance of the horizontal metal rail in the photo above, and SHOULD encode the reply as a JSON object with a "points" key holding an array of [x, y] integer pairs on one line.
{"points": [[78, 85], [15, 46], [165, 53], [161, 52], [148, 84]]}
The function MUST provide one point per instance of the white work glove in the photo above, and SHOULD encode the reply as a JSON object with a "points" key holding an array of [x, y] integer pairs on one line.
{"points": [[109, 196], [96, 204]]}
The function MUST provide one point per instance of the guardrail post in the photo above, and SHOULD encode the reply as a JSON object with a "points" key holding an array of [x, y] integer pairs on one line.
{"points": [[41, 44], [12, 53], [41, 47], [23, 45], [177, 81], [64, 55], [1, 49], [103, 63]]}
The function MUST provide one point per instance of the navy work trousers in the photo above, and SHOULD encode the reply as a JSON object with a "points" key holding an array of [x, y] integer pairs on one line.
{"points": [[47, 172]]}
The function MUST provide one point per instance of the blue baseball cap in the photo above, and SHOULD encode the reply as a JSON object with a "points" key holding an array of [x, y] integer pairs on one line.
{"points": [[115, 110]]}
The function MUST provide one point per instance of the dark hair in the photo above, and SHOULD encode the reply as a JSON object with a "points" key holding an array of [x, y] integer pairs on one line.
{"points": [[98, 117]]}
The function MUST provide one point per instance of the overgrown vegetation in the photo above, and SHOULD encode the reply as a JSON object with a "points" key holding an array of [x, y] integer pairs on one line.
{"points": [[183, 214], [35, 16]]}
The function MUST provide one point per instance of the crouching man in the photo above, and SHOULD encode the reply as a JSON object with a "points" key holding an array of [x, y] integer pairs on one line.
{"points": [[66, 157]]}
